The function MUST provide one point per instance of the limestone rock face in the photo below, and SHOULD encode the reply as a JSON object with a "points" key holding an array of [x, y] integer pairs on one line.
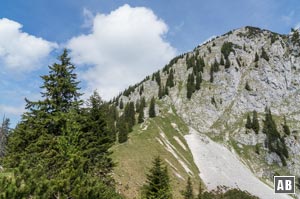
{"points": [[219, 108]]}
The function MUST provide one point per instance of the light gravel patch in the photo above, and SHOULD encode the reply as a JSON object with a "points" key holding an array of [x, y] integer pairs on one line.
{"points": [[218, 166]]}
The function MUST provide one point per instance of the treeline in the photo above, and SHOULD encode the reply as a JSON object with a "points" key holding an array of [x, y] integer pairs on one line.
{"points": [[194, 80]]}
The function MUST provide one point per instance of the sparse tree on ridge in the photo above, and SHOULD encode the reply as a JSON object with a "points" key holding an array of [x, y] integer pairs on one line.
{"points": [[188, 192], [152, 108], [158, 182]]}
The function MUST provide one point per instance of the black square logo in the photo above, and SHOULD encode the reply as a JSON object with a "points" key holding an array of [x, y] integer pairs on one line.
{"points": [[284, 184]]}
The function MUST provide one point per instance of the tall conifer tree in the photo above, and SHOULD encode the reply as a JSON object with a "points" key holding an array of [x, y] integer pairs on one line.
{"points": [[152, 108], [158, 183]]}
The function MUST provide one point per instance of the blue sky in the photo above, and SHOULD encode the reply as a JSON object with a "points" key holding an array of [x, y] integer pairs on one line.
{"points": [[115, 43]]}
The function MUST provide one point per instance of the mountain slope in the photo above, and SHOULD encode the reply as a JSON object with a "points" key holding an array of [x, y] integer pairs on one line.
{"points": [[259, 69]]}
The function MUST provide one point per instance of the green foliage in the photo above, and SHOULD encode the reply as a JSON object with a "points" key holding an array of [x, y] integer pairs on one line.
{"points": [[274, 141], [143, 103], [247, 87], [211, 73], [248, 122], [226, 49], [190, 61], [256, 57], [257, 149], [222, 61], [227, 63], [141, 114], [152, 108], [129, 90], [200, 64], [190, 86], [59, 149], [200, 192], [161, 92], [157, 78], [188, 192], [238, 62], [295, 36], [170, 79], [286, 128], [255, 123], [264, 54], [215, 66], [141, 89], [123, 129], [60, 87], [219, 193], [129, 115], [273, 38], [4, 132], [158, 183], [172, 62], [198, 81], [121, 104], [209, 49]]}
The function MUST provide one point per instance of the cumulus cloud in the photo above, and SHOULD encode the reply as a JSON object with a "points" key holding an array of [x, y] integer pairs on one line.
{"points": [[20, 51], [123, 47]]}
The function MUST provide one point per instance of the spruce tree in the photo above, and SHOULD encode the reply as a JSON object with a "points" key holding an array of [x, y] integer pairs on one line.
{"points": [[264, 54], [247, 86], [248, 122], [141, 89], [200, 192], [166, 90], [123, 130], [211, 75], [129, 115], [190, 86], [286, 128], [143, 102], [222, 61], [61, 88], [256, 57], [4, 131], [216, 66], [227, 63], [137, 106], [160, 92], [152, 108], [141, 115], [188, 192], [121, 104], [157, 78], [59, 149], [158, 182], [170, 79], [275, 143], [255, 123], [198, 81]]}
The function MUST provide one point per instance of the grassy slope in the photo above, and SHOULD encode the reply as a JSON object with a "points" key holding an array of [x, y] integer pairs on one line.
{"points": [[134, 158]]}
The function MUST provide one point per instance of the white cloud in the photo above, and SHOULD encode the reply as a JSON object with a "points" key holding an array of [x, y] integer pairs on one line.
{"points": [[124, 46], [88, 18], [20, 51]]}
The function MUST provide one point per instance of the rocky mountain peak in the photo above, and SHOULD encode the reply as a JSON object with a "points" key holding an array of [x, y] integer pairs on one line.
{"points": [[244, 70]]}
